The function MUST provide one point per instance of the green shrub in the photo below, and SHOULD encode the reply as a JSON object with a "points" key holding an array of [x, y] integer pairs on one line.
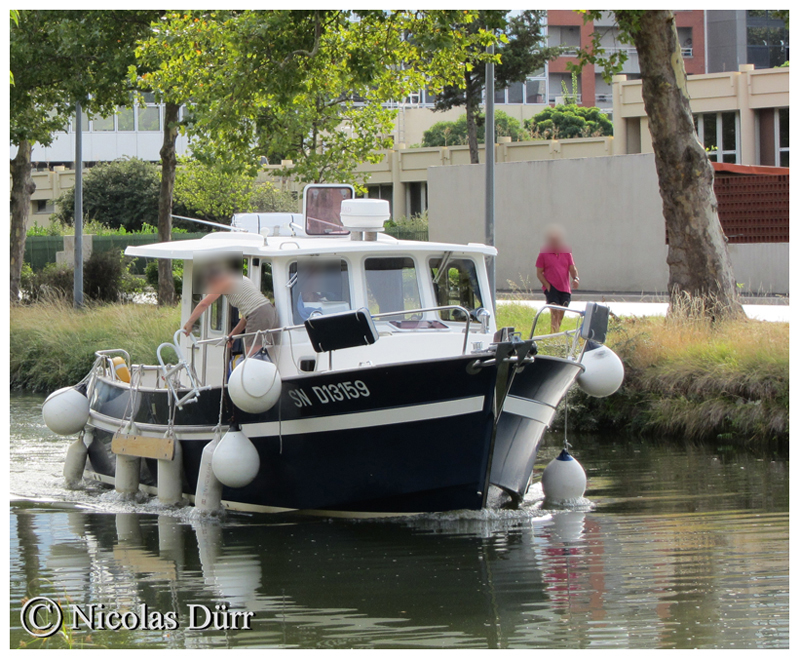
{"points": [[103, 275], [106, 278], [569, 121], [122, 193], [444, 133], [151, 275]]}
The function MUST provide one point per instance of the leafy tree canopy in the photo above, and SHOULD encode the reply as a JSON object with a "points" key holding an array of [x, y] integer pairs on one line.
{"points": [[311, 85], [446, 133], [569, 121], [214, 193], [60, 57]]}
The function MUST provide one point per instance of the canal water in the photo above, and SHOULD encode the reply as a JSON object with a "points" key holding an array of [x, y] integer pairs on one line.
{"points": [[682, 546]]}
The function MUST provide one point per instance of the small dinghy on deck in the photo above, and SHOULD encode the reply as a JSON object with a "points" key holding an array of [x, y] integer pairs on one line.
{"points": [[387, 388]]}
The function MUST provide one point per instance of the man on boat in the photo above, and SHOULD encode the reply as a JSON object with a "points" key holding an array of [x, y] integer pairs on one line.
{"points": [[556, 270], [256, 311]]}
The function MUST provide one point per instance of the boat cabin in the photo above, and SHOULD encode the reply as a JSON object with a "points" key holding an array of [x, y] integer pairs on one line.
{"points": [[427, 300]]}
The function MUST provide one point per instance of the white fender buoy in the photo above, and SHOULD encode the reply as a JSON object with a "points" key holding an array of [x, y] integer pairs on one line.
{"points": [[563, 480], [255, 385], [604, 371], [170, 483], [66, 411], [208, 496], [75, 462], [126, 474], [235, 461]]}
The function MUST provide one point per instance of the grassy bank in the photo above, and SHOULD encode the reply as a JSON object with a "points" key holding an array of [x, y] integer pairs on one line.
{"points": [[688, 379], [53, 345]]}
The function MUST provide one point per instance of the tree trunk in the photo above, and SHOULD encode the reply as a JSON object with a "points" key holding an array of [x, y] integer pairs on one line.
{"points": [[22, 187], [472, 107], [700, 268], [166, 285]]}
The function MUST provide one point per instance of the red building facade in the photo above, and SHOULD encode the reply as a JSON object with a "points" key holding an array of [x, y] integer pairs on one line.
{"points": [[567, 28]]}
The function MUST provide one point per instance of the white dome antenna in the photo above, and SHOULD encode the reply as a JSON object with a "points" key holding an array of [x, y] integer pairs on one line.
{"points": [[365, 217]]}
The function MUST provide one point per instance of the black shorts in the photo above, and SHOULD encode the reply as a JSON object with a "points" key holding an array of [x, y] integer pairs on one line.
{"points": [[556, 297]]}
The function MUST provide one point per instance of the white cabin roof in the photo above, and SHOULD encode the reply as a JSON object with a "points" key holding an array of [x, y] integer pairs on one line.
{"points": [[255, 245]]}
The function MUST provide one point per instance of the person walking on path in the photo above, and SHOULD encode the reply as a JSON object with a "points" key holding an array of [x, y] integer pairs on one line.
{"points": [[556, 270]]}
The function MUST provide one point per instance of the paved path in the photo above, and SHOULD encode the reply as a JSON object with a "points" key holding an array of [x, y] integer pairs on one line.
{"points": [[760, 312]]}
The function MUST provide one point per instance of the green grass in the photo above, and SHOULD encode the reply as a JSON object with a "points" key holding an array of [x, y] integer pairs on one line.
{"points": [[521, 317], [53, 345]]}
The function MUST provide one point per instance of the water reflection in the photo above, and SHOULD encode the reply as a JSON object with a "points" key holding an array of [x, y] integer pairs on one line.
{"points": [[685, 547], [567, 579]]}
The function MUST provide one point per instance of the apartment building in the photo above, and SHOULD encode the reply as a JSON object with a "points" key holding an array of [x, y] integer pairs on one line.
{"points": [[566, 28]]}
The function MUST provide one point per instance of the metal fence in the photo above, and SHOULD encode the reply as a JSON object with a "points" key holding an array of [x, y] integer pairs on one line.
{"points": [[41, 250]]}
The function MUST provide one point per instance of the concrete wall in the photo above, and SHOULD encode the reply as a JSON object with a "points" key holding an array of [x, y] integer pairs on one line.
{"points": [[610, 208]]}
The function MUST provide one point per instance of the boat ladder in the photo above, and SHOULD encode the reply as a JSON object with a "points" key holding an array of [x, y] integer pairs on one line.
{"points": [[169, 371]]}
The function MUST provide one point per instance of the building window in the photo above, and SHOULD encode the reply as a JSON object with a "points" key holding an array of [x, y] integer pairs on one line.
{"points": [[561, 88], [685, 38], [103, 124], [718, 132], [44, 206], [767, 39], [532, 92], [535, 91], [782, 136], [149, 118], [564, 35], [125, 119]]}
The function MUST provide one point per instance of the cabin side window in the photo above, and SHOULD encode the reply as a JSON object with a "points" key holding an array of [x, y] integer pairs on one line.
{"points": [[392, 285], [455, 284], [319, 286], [267, 288], [214, 313]]}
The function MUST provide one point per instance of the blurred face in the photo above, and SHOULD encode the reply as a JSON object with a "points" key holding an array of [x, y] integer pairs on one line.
{"points": [[554, 238]]}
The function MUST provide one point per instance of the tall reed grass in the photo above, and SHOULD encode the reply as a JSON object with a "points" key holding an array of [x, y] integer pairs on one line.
{"points": [[53, 345]]}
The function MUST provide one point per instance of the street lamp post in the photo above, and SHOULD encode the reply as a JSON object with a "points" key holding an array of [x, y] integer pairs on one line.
{"points": [[77, 286], [489, 156]]}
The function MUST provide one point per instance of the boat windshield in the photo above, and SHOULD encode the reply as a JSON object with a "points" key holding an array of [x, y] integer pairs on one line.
{"points": [[456, 284], [319, 285], [392, 285]]}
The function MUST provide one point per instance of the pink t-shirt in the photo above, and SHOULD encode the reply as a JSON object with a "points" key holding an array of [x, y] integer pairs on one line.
{"points": [[556, 268]]}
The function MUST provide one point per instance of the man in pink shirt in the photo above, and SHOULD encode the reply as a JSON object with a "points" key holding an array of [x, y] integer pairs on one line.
{"points": [[557, 272]]}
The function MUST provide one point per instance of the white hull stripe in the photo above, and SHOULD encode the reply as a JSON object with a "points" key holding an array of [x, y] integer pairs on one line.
{"points": [[367, 419], [534, 410]]}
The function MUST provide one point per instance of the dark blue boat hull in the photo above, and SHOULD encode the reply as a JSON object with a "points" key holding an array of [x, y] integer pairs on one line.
{"points": [[419, 441]]}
